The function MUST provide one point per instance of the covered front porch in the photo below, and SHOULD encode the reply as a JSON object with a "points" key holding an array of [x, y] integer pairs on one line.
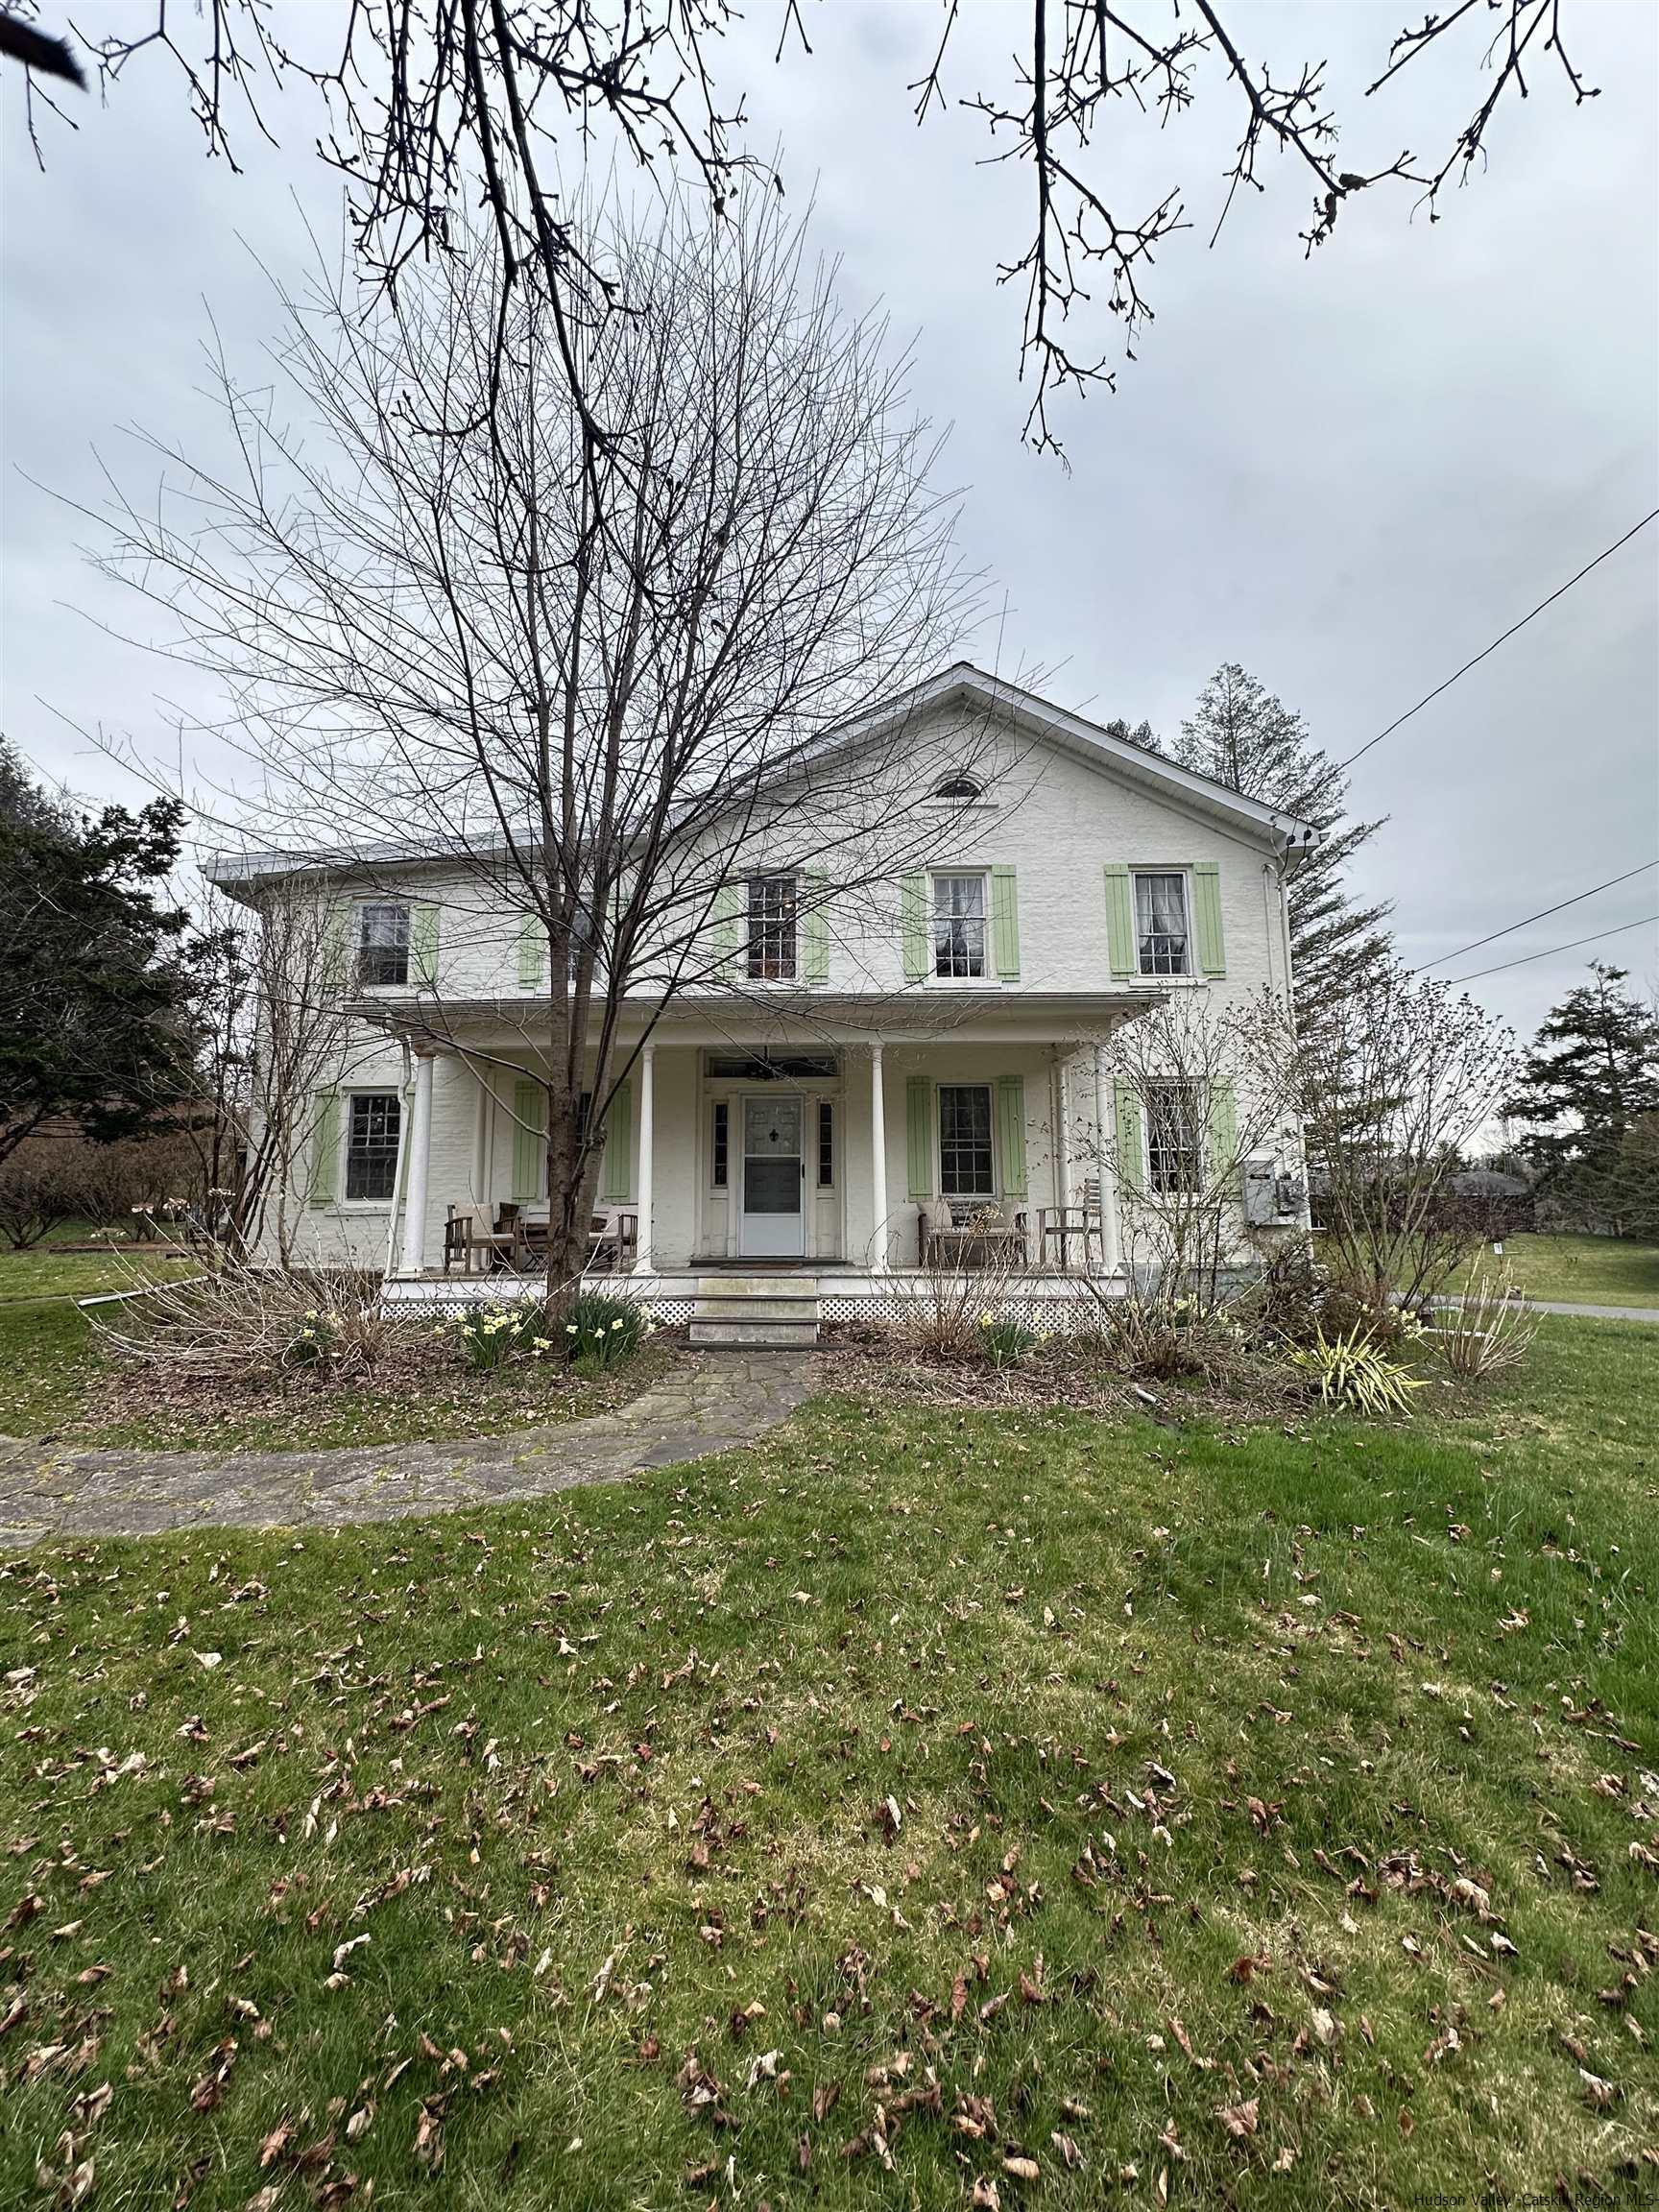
{"points": [[868, 1146]]}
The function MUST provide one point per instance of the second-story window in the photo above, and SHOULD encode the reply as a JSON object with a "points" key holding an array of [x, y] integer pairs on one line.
{"points": [[383, 944], [773, 901], [1161, 923], [959, 926]]}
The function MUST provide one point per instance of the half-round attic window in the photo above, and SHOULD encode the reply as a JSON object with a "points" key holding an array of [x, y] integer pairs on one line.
{"points": [[957, 787]]}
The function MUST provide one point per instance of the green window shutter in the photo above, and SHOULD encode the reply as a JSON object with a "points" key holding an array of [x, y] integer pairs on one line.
{"points": [[1207, 917], [325, 1146], [615, 1174], [913, 924], [532, 952], [1131, 1145], [529, 1137], [816, 932], [423, 946], [729, 900], [918, 1134], [1005, 924], [1120, 918], [1011, 1133], [1223, 1129]]}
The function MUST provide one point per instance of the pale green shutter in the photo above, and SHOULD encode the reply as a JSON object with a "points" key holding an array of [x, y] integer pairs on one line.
{"points": [[1131, 1145], [1207, 917], [616, 1179], [1120, 918], [1005, 924], [325, 1146], [1011, 1133], [423, 946], [532, 952], [1223, 1129], [336, 965], [730, 899], [918, 1134], [529, 1137], [913, 924], [815, 932]]}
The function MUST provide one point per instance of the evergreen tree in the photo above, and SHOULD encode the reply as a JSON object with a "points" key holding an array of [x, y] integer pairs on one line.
{"points": [[1143, 734], [1244, 736], [94, 988], [1591, 1078]]}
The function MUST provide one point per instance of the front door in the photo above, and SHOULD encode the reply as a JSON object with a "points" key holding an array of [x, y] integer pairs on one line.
{"points": [[773, 1224]]}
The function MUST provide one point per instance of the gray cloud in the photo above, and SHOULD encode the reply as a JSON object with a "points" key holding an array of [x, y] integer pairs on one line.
{"points": [[1349, 474]]}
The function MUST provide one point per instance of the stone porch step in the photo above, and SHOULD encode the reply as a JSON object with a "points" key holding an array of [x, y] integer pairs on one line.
{"points": [[756, 1313]]}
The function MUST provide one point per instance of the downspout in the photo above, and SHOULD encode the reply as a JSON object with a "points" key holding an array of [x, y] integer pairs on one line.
{"points": [[403, 1121]]}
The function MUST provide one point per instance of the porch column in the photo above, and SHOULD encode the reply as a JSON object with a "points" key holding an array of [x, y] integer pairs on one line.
{"points": [[1062, 1134], [642, 1261], [877, 1163], [1110, 1250], [420, 1153]]}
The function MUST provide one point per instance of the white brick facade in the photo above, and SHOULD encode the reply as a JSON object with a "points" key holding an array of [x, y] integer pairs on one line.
{"points": [[1062, 804]]}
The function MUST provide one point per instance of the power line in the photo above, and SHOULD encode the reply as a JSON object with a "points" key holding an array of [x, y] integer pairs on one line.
{"points": [[1594, 939], [1578, 898], [1497, 641]]}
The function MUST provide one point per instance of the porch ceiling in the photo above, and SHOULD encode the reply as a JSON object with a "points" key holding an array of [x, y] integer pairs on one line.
{"points": [[919, 1016]]}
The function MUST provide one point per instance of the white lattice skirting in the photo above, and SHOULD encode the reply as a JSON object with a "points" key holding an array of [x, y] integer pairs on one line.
{"points": [[1054, 1305]]}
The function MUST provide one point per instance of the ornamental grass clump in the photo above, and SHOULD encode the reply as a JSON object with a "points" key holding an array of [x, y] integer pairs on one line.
{"points": [[1353, 1371], [1487, 1333]]}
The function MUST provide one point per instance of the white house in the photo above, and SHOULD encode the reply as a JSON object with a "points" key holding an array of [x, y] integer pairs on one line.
{"points": [[839, 1082]]}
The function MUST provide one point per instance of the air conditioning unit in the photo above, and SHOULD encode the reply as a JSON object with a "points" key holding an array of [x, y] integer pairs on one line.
{"points": [[1272, 1198]]}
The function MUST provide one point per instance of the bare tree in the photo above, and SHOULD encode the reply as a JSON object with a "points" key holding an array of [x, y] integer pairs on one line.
{"points": [[1200, 1087], [433, 104], [583, 688], [1398, 1079]]}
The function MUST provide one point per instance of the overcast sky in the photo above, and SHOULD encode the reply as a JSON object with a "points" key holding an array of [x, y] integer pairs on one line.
{"points": [[1349, 474]]}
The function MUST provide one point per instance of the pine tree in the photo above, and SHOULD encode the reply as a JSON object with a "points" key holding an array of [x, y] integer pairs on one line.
{"points": [[1143, 734], [1591, 1078], [94, 989], [1244, 736]]}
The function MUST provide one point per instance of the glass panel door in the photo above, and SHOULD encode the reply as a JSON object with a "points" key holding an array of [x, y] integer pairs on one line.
{"points": [[773, 1222]]}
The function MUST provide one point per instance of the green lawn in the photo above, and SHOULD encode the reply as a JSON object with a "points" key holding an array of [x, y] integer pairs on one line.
{"points": [[922, 1804], [46, 1273], [1583, 1271]]}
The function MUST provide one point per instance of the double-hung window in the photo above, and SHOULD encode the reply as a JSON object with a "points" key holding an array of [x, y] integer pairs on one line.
{"points": [[1174, 1127], [966, 1166], [383, 944], [1161, 923], [773, 903], [372, 1145], [959, 926]]}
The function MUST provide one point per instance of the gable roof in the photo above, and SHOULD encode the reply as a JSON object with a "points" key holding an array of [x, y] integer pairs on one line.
{"points": [[963, 685]]}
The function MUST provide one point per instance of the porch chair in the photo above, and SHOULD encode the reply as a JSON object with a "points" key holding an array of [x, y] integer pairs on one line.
{"points": [[472, 1243], [614, 1241], [970, 1233]]}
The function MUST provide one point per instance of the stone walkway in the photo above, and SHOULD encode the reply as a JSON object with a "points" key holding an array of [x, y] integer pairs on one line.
{"points": [[710, 1402]]}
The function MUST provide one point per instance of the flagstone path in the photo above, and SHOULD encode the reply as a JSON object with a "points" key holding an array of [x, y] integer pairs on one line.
{"points": [[710, 1402]]}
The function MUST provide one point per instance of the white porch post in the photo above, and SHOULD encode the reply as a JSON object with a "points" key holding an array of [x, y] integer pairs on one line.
{"points": [[1062, 1134], [1111, 1250], [877, 1163], [420, 1153], [642, 1261]]}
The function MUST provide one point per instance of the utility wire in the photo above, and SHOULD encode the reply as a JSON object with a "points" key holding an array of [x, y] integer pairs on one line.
{"points": [[1595, 938], [1577, 899], [1497, 641]]}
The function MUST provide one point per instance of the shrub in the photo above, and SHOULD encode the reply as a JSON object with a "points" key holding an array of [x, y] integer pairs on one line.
{"points": [[243, 1322], [1353, 1370], [1488, 1335], [604, 1332], [1006, 1341]]}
